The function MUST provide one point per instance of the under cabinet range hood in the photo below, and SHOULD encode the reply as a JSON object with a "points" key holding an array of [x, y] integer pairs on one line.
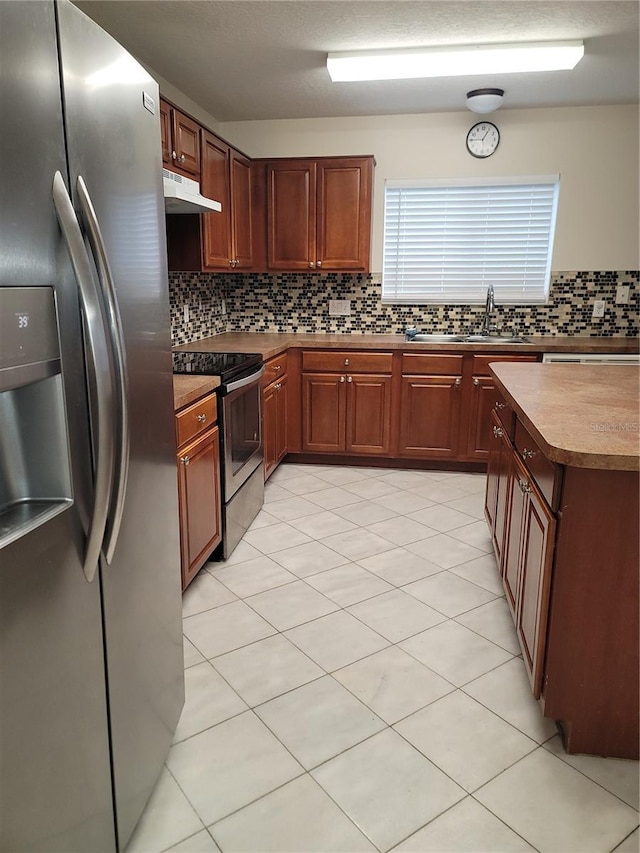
{"points": [[182, 195]]}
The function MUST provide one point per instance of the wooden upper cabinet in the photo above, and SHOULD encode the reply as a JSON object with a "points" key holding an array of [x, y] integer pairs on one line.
{"points": [[291, 214], [344, 213], [165, 132], [241, 211], [227, 235], [319, 213], [216, 243], [186, 143]]}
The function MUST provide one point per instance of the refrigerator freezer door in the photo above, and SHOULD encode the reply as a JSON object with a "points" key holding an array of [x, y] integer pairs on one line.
{"points": [[113, 143], [55, 791]]}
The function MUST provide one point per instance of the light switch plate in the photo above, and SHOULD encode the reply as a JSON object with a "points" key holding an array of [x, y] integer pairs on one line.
{"points": [[339, 307], [598, 308]]}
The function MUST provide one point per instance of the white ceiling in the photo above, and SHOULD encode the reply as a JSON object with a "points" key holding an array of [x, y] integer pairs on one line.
{"points": [[266, 59]]}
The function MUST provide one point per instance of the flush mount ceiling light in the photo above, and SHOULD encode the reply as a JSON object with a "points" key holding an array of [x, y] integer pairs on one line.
{"points": [[457, 61], [484, 100]]}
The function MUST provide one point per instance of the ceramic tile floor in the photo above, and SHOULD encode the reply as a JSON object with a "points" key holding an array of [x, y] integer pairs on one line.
{"points": [[354, 683]]}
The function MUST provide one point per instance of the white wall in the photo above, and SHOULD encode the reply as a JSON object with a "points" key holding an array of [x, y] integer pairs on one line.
{"points": [[594, 149]]}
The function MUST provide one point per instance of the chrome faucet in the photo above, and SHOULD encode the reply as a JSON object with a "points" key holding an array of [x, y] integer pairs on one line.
{"points": [[490, 305]]}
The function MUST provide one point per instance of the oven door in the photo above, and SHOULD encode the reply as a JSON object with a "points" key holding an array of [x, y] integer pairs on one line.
{"points": [[242, 432]]}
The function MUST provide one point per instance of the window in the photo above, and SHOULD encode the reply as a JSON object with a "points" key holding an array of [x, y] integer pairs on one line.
{"points": [[447, 241]]}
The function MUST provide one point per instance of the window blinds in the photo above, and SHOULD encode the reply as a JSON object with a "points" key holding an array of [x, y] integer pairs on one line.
{"points": [[447, 241]]}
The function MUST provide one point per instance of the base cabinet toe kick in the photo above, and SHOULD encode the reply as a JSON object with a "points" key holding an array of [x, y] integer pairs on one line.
{"points": [[566, 543]]}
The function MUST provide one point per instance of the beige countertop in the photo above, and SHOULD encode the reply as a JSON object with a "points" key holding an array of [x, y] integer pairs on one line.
{"points": [[188, 389], [269, 344], [581, 415]]}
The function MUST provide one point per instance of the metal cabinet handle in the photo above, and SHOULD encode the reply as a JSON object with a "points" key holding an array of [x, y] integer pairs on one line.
{"points": [[182, 158], [349, 378], [311, 264], [174, 156], [500, 405], [202, 418], [105, 276], [278, 386], [342, 379], [184, 460], [277, 367], [476, 381], [318, 263], [458, 381], [346, 362], [525, 487], [528, 454], [99, 362], [497, 432]]}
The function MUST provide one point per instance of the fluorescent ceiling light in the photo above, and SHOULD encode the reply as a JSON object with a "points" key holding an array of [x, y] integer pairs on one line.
{"points": [[457, 61]]}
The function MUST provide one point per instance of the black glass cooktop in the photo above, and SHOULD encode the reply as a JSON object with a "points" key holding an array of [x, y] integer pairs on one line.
{"points": [[226, 365]]}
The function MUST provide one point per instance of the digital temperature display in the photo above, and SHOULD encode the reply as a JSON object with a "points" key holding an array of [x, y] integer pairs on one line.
{"points": [[28, 326]]}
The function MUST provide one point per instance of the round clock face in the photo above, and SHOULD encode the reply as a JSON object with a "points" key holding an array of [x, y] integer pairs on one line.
{"points": [[483, 139]]}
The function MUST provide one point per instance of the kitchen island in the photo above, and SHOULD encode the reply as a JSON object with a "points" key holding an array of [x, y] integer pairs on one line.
{"points": [[563, 509]]}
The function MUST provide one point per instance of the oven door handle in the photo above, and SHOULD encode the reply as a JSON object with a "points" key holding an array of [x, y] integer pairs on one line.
{"points": [[242, 383]]}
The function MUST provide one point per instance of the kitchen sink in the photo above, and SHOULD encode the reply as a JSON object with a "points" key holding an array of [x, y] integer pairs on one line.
{"points": [[494, 339], [437, 338]]}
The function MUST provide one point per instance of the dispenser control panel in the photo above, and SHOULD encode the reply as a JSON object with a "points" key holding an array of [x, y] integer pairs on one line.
{"points": [[29, 347]]}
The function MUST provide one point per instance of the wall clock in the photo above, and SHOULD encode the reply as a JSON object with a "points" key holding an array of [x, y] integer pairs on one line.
{"points": [[483, 139]]}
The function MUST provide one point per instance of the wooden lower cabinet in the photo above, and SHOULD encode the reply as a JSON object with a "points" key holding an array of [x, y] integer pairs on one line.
{"points": [[498, 484], [537, 540], [199, 497], [430, 416], [344, 413], [274, 424]]}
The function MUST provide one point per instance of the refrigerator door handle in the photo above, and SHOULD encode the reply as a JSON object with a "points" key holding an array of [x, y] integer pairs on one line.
{"points": [[100, 365], [96, 240]]}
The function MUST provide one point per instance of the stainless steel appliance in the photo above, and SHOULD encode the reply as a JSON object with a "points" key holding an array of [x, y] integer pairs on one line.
{"points": [[592, 358], [91, 677], [240, 416]]}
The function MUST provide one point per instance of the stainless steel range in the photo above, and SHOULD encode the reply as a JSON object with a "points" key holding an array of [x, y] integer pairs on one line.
{"points": [[240, 418]]}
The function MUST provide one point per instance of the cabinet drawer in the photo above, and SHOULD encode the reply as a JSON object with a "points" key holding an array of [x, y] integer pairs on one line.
{"points": [[274, 369], [505, 414], [349, 362], [545, 473], [428, 365], [196, 418], [481, 362]]}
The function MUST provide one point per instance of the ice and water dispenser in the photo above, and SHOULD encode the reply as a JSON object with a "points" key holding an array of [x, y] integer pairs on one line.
{"points": [[35, 479]]}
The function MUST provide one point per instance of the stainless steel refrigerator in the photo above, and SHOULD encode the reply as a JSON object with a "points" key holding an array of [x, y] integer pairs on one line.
{"points": [[91, 673]]}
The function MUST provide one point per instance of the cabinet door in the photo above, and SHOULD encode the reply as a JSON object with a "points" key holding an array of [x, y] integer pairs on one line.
{"points": [[241, 211], [216, 243], [430, 416], [483, 398], [165, 132], [344, 213], [186, 144], [497, 483], [282, 400], [270, 428], [291, 215], [323, 412], [199, 502], [368, 415], [536, 555], [511, 544]]}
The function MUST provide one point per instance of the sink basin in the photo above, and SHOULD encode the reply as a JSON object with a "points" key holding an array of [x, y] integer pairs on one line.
{"points": [[494, 339], [437, 338]]}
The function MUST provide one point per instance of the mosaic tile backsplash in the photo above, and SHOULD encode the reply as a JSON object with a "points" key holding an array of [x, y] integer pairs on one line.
{"points": [[299, 302]]}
